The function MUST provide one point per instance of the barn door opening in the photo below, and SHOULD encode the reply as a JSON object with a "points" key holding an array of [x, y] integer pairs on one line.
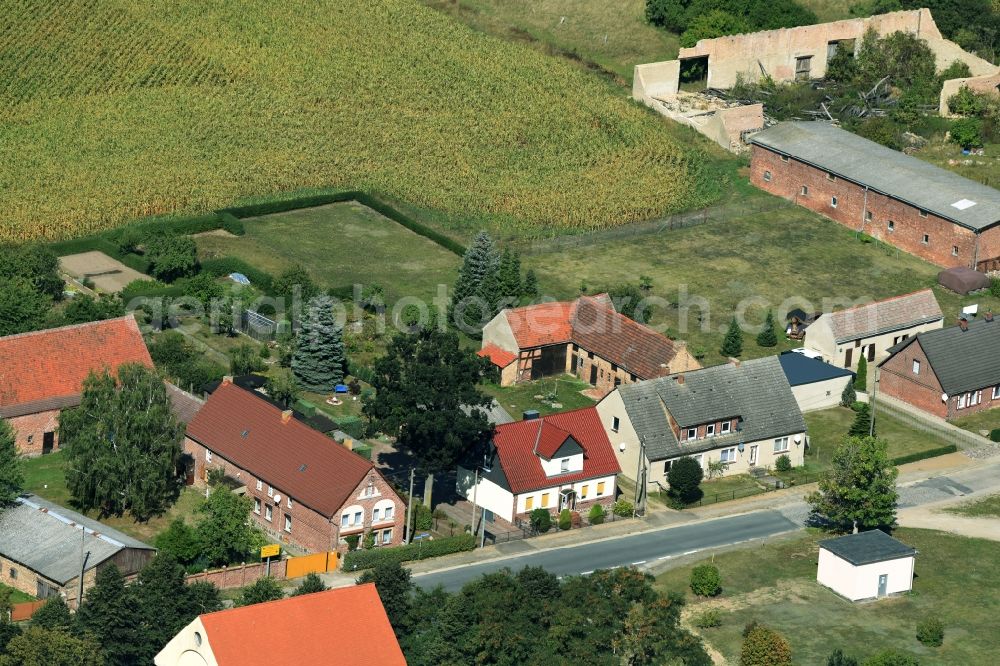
{"points": [[48, 442]]}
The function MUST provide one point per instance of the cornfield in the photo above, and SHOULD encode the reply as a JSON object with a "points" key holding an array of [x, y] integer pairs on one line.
{"points": [[112, 110]]}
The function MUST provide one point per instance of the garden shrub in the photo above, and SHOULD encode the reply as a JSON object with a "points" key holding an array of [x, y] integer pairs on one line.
{"points": [[924, 455], [423, 517], [596, 515], [540, 520], [930, 632], [352, 541], [623, 508], [685, 477], [420, 550], [967, 133], [783, 463], [995, 287], [565, 519], [890, 657], [763, 646], [352, 425], [706, 581], [709, 618], [995, 435]]}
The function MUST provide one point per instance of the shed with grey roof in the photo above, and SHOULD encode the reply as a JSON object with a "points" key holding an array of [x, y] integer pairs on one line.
{"points": [[866, 565], [43, 547]]}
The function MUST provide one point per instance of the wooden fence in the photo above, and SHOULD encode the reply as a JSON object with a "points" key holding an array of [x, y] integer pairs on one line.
{"points": [[23, 611], [307, 564]]}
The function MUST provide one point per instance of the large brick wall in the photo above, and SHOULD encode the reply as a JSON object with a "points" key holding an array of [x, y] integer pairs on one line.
{"points": [[30, 431], [948, 244], [989, 250]]}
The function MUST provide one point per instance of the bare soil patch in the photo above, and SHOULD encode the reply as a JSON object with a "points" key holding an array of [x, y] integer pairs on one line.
{"points": [[108, 274]]}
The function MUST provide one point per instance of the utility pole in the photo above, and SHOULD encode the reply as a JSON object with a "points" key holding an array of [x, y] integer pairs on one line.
{"points": [[871, 425], [83, 564], [475, 496], [409, 511], [640, 481]]}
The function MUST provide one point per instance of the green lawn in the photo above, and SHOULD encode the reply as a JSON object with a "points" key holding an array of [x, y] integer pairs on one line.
{"points": [[776, 259], [776, 585], [729, 488], [987, 507], [340, 245], [987, 420], [16, 596], [983, 168], [829, 10], [44, 476], [520, 397]]}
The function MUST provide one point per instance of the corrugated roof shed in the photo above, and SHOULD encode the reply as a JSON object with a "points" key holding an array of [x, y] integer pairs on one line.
{"points": [[47, 538], [756, 390], [908, 179]]}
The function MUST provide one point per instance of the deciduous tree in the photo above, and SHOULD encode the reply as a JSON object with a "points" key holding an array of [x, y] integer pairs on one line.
{"points": [[263, 589], [84, 308], [685, 477], [38, 646], [53, 615], [859, 490], [394, 589], [22, 307], [172, 257], [225, 532]]}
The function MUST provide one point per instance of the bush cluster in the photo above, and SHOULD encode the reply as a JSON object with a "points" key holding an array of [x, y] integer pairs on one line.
{"points": [[623, 508], [565, 519], [596, 515], [930, 632], [783, 463], [421, 550], [706, 580], [541, 520]]}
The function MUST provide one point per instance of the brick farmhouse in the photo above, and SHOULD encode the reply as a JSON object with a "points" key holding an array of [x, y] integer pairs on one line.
{"points": [[555, 462], [922, 209], [307, 489], [587, 338], [949, 372], [42, 373]]}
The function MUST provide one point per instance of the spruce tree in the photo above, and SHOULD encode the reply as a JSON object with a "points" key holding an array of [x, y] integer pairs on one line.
{"points": [[849, 396], [862, 422], [733, 343], [530, 289], [861, 378], [481, 260], [509, 275], [110, 612], [318, 362], [11, 466], [768, 337]]}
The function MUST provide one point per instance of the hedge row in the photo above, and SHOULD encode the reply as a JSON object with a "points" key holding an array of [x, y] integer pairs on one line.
{"points": [[352, 425], [150, 289], [382, 207], [421, 550], [924, 455]]}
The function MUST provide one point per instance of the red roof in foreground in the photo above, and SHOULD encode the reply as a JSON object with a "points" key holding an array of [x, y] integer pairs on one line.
{"points": [[515, 444], [51, 364], [289, 455], [498, 357], [343, 626]]}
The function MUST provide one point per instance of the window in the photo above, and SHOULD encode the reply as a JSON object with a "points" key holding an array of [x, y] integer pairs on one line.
{"points": [[270, 491], [545, 500], [375, 515], [780, 444], [830, 177], [529, 503], [784, 158], [726, 426], [267, 513], [345, 520], [614, 368], [727, 455], [614, 424], [833, 202], [961, 400], [710, 430], [954, 250], [767, 175], [585, 489], [358, 518], [926, 240], [387, 536], [692, 433], [868, 216], [697, 459], [260, 484], [256, 506], [564, 465], [921, 213], [288, 523], [996, 392], [13, 573], [804, 191], [916, 367], [891, 226], [600, 488], [208, 456], [289, 503]]}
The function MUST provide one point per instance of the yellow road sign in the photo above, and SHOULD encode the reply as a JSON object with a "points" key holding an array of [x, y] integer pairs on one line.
{"points": [[270, 550]]}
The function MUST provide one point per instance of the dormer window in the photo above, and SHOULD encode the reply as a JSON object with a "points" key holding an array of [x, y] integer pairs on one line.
{"points": [[710, 430], [726, 426], [692, 433], [564, 465]]}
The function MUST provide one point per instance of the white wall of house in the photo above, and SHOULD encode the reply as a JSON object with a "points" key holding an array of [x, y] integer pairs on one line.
{"points": [[820, 395], [585, 491], [498, 332], [554, 467], [190, 647], [819, 337], [624, 439], [861, 582], [490, 496]]}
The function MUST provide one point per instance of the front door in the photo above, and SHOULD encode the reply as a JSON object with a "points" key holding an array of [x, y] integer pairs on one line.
{"points": [[567, 500], [573, 362], [48, 442], [593, 375], [871, 353], [883, 584], [753, 454], [847, 357]]}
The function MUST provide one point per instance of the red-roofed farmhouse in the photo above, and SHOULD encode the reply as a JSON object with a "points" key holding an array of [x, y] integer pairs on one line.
{"points": [[555, 462], [587, 338], [42, 373], [346, 626], [307, 489]]}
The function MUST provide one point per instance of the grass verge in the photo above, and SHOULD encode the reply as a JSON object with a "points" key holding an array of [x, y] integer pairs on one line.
{"points": [[987, 507]]}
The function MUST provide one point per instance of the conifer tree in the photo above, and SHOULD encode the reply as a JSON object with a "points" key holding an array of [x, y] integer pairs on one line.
{"points": [[318, 362], [530, 288], [110, 612], [767, 337], [849, 395], [11, 466], [509, 275], [862, 422], [480, 261], [733, 343], [861, 378]]}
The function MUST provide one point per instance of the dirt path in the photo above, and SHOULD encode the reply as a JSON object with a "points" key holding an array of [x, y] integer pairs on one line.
{"points": [[931, 516]]}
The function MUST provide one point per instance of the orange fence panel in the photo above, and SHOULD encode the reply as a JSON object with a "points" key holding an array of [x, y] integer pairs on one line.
{"points": [[24, 611], [306, 564]]}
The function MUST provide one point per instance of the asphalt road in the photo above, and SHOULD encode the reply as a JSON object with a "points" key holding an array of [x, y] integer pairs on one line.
{"points": [[635, 549]]}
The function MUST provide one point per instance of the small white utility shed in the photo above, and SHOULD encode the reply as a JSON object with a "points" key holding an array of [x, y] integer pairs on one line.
{"points": [[866, 565]]}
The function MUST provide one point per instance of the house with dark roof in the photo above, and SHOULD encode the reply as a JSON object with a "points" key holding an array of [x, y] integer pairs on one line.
{"points": [[866, 565], [845, 336], [42, 373], [41, 545], [949, 372], [555, 462], [907, 202], [307, 489], [346, 626], [741, 413], [815, 383], [587, 338]]}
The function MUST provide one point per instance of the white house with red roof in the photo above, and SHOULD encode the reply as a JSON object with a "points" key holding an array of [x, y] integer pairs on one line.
{"points": [[586, 337], [42, 373], [555, 462]]}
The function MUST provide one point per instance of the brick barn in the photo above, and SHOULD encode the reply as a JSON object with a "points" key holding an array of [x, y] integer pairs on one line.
{"points": [[42, 373], [307, 489], [922, 209], [949, 372], [587, 338]]}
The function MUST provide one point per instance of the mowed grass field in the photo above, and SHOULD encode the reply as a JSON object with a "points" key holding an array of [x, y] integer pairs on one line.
{"points": [[340, 245], [775, 584], [188, 106], [778, 259]]}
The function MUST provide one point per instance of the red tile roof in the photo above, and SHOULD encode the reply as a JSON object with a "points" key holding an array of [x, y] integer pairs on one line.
{"points": [[593, 323], [307, 465], [498, 357], [345, 626], [48, 367], [515, 444]]}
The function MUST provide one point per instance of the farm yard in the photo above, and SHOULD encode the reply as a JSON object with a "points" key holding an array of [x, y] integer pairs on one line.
{"points": [[775, 583], [234, 101], [340, 245], [106, 273]]}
